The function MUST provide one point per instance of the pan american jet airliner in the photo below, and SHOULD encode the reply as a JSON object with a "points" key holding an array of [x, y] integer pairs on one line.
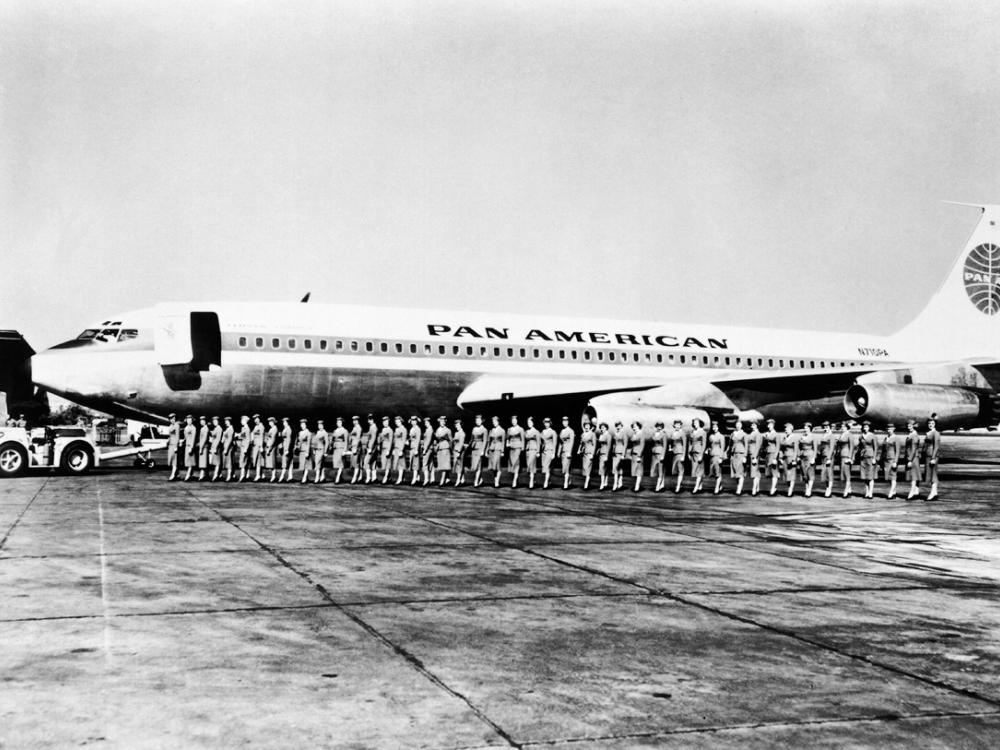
{"points": [[314, 360]]}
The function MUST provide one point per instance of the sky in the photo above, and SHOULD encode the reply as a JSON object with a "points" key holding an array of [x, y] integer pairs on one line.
{"points": [[755, 163]]}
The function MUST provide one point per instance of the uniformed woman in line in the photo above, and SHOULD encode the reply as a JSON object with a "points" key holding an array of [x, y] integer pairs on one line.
{"points": [[567, 438], [619, 447], [228, 447], [442, 449], [413, 449], [204, 436], [847, 445], [320, 447], [549, 440], [532, 447], [825, 447], [257, 446], [215, 448], [515, 444], [190, 445], [603, 453], [385, 449], [697, 442], [738, 456], [427, 450], [771, 445], [369, 447], [494, 449], [271, 448], [807, 457], [339, 440], [932, 448], [658, 452], [399, 439], [867, 453], [477, 450], [173, 445], [889, 457], [287, 459], [587, 449], [716, 453], [354, 448], [913, 446], [678, 452], [458, 452], [755, 443], [303, 444]]}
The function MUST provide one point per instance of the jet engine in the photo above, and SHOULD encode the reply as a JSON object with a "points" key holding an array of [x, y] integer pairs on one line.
{"points": [[895, 402]]}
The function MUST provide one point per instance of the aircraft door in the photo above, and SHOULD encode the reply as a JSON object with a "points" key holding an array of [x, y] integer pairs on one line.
{"points": [[187, 344]]}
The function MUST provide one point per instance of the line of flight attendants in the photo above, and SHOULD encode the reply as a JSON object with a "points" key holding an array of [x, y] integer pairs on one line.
{"points": [[438, 454]]}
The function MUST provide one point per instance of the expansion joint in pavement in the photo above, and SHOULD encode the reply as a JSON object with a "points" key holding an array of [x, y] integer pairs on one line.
{"points": [[20, 515]]}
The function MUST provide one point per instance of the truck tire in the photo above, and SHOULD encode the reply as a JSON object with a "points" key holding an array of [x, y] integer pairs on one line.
{"points": [[13, 459], [77, 458]]}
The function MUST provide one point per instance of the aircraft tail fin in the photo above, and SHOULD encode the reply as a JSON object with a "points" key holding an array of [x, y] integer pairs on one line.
{"points": [[962, 319]]}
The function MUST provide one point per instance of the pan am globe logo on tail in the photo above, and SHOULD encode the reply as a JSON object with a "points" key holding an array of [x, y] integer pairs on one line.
{"points": [[982, 277]]}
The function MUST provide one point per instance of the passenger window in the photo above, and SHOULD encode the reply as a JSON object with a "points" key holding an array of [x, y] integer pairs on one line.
{"points": [[586, 355], [323, 345], [308, 344], [548, 353], [383, 347], [496, 351], [427, 348], [822, 364], [704, 360], [562, 354], [454, 351], [369, 346], [683, 359], [468, 351], [572, 354], [275, 343], [399, 348], [770, 363], [791, 363], [259, 342], [483, 351], [659, 359], [243, 341], [354, 346], [291, 343], [413, 348], [441, 349], [510, 352], [600, 355]]}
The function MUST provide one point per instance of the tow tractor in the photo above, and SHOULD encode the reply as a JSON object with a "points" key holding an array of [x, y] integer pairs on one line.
{"points": [[70, 449]]}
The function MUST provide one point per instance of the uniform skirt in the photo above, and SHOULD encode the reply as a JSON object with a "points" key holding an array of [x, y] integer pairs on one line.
{"points": [[514, 459], [737, 465], [444, 460], [547, 460], [845, 468], [931, 472], [913, 470], [426, 458], [637, 467], [867, 469], [269, 455], [677, 464], [398, 460], [656, 467], [203, 456], [338, 458], [755, 467], [826, 471], [476, 458], [890, 470], [531, 460], [494, 460], [588, 465], [715, 466], [773, 467], [602, 464], [788, 465], [304, 459], [697, 466], [317, 457], [807, 468], [171, 454]]}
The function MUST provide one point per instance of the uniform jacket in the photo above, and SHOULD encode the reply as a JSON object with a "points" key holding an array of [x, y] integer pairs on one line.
{"points": [[755, 442], [479, 433], [738, 443], [588, 443], [549, 438], [566, 439], [532, 440], [497, 437], [716, 445], [515, 437]]}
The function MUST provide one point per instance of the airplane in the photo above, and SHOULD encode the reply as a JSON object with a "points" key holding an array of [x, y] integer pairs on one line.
{"points": [[320, 361]]}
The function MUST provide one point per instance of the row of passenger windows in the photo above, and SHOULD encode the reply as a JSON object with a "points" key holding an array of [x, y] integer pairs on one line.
{"points": [[511, 352]]}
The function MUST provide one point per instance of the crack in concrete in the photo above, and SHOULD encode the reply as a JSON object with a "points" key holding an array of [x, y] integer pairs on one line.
{"points": [[410, 658], [20, 515]]}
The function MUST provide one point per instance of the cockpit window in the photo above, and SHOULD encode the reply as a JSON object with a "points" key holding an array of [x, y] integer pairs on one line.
{"points": [[107, 334], [128, 333], [88, 334]]}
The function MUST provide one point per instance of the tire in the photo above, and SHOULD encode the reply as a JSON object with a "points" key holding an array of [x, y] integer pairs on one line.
{"points": [[77, 458], [13, 460]]}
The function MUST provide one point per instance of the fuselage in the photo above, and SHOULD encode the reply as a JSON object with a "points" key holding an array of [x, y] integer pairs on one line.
{"points": [[317, 360]]}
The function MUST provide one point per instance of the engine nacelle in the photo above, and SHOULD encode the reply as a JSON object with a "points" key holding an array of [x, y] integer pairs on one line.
{"points": [[614, 407], [895, 402]]}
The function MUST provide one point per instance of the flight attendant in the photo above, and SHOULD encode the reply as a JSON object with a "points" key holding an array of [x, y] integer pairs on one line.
{"points": [[257, 446], [173, 446], [867, 453], [755, 443], [636, 446], [190, 445], [442, 449], [494, 451], [399, 440], [789, 443], [847, 445], [369, 445], [228, 437], [659, 452], [413, 445], [320, 445], [271, 447], [771, 446], [566, 440], [807, 457], [889, 458], [932, 448], [619, 449], [204, 438], [339, 441], [477, 450], [549, 441], [532, 446], [458, 452], [825, 448], [913, 446], [287, 459], [738, 456], [697, 442], [427, 450], [678, 452], [603, 453], [215, 448], [303, 444], [515, 444], [384, 449], [587, 449], [354, 448], [716, 453]]}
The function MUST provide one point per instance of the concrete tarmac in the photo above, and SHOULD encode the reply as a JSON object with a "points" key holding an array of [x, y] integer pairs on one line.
{"points": [[136, 613]]}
